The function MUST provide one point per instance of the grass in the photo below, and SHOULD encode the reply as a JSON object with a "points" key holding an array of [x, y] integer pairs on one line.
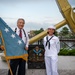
{"points": [[67, 52]]}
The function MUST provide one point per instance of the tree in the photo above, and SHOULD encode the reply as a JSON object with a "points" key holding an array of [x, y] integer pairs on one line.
{"points": [[38, 31], [56, 33], [64, 31]]}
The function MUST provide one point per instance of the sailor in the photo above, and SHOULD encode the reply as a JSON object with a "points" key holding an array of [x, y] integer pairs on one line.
{"points": [[52, 48]]}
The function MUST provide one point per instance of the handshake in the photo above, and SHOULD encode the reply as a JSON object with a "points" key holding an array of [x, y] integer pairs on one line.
{"points": [[2, 47]]}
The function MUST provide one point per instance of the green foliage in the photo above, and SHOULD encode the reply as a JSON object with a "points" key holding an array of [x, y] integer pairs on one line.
{"points": [[64, 31], [56, 33], [38, 31], [71, 52], [66, 52], [72, 36]]}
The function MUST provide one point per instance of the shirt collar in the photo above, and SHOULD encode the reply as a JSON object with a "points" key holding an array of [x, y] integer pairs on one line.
{"points": [[18, 29], [50, 36]]}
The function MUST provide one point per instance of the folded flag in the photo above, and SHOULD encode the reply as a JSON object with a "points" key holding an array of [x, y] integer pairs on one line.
{"points": [[13, 44]]}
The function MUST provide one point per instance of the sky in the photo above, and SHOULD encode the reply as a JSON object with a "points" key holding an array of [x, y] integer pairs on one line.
{"points": [[37, 13]]}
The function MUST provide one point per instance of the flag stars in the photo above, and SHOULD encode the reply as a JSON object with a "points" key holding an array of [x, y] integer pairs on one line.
{"points": [[13, 35], [19, 42], [6, 30]]}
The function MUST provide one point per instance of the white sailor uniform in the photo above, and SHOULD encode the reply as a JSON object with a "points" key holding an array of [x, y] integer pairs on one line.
{"points": [[52, 48]]}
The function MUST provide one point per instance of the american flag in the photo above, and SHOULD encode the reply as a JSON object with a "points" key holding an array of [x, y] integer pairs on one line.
{"points": [[14, 45]]}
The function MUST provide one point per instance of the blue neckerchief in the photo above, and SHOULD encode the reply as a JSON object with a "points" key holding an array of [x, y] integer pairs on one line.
{"points": [[48, 41], [36, 51]]}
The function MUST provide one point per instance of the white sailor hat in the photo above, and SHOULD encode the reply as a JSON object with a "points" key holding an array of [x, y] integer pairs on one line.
{"points": [[52, 26]]}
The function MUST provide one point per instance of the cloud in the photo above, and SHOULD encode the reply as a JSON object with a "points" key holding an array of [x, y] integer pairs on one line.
{"points": [[36, 26], [15, 1], [32, 24], [39, 17], [72, 2]]}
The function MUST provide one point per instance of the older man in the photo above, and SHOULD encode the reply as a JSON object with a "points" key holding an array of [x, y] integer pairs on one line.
{"points": [[19, 64]]}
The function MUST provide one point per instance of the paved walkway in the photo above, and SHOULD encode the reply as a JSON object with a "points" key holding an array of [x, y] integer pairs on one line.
{"points": [[66, 66], [66, 63]]}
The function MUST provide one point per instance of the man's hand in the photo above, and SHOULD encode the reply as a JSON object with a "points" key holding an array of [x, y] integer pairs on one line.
{"points": [[2, 47], [26, 48]]}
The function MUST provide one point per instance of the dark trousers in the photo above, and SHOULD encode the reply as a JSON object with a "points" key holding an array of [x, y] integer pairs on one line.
{"points": [[17, 66]]}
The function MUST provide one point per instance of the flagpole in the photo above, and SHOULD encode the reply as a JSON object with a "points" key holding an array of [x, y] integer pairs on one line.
{"points": [[5, 53]]}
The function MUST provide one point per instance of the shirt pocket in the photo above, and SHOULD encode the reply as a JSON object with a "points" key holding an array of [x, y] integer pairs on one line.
{"points": [[52, 42]]}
